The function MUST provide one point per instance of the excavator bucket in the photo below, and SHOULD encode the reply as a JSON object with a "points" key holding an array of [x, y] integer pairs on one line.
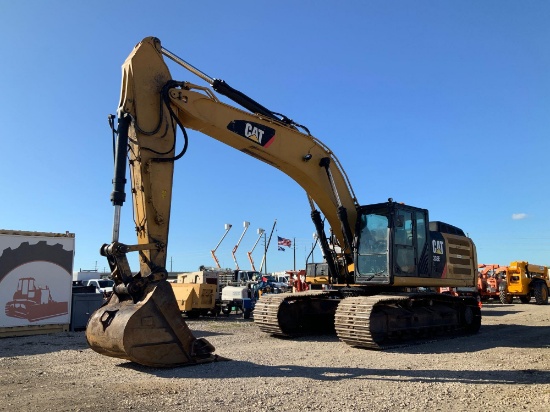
{"points": [[150, 332]]}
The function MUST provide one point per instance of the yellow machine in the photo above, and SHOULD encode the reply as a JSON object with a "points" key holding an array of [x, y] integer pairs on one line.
{"points": [[524, 280], [382, 263], [197, 293]]}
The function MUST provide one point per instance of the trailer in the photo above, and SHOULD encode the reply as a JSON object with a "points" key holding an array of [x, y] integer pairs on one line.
{"points": [[35, 282]]}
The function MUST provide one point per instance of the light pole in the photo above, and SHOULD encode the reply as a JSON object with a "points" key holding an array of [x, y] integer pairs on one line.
{"points": [[265, 253]]}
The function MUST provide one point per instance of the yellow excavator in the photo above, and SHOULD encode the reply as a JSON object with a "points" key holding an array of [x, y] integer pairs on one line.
{"points": [[384, 261]]}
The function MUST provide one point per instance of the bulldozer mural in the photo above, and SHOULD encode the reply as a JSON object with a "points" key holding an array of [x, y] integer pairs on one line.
{"points": [[34, 303], [35, 281]]}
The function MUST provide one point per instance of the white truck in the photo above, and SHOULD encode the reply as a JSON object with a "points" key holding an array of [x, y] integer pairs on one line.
{"points": [[83, 276], [104, 286]]}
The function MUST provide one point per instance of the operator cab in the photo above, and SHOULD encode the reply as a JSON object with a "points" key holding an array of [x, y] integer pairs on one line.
{"points": [[391, 241]]}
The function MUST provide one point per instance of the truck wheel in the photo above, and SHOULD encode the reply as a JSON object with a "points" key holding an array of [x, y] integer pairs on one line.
{"points": [[216, 311], [193, 314], [505, 298], [226, 310], [541, 293], [525, 299]]}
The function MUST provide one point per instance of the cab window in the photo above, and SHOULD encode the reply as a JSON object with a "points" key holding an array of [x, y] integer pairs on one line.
{"points": [[372, 253], [404, 243]]}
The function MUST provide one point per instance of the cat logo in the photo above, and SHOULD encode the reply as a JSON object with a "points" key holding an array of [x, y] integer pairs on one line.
{"points": [[437, 246], [255, 132]]}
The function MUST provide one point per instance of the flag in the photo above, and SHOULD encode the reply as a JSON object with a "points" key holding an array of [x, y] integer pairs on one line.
{"points": [[282, 249], [281, 241]]}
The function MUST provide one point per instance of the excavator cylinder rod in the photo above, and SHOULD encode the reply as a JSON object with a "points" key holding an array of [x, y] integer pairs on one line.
{"points": [[118, 195], [150, 332], [223, 88]]}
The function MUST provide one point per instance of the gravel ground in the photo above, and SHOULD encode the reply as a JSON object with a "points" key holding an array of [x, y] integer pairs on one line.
{"points": [[504, 367]]}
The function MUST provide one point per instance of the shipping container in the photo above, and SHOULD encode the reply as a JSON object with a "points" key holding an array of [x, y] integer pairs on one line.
{"points": [[35, 282]]}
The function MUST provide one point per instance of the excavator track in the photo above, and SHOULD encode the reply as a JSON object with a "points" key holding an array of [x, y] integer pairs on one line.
{"points": [[295, 314], [381, 321], [371, 322]]}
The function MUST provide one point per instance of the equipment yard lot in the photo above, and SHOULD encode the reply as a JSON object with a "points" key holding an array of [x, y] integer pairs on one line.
{"points": [[504, 367]]}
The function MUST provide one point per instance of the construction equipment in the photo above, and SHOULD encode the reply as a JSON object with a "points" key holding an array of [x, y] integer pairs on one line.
{"points": [[198, 293], [213, 251], [238, 298], [104, 286], [525, 280], [245, 225], [385, 251], [249, 253], [489, 279]]}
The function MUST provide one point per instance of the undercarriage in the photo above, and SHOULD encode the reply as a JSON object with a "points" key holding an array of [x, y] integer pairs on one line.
{"points": [[371, 322]]}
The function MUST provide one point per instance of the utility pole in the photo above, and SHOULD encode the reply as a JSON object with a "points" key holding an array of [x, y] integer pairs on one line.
{"points": [[312, 249], [264, 260], [315, 237], [294, 240]]}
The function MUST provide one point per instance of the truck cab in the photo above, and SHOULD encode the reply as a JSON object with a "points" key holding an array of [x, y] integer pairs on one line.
{"points": [[104, 286]]}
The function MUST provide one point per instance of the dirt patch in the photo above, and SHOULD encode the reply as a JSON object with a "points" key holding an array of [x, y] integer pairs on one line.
{"points": [[506, 366]]}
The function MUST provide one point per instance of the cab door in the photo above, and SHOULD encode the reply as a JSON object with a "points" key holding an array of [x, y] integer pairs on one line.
{"points": [[411, 254], [404, 244]]}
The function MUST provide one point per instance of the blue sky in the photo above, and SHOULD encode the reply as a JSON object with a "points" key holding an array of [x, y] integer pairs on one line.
{"points": [[438, 104]]}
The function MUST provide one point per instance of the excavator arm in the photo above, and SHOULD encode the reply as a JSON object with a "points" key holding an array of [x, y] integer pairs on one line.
{"points": [[141, 322]]}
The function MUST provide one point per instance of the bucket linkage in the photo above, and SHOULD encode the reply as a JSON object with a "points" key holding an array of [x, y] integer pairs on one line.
{"points": [[141, 322]]}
